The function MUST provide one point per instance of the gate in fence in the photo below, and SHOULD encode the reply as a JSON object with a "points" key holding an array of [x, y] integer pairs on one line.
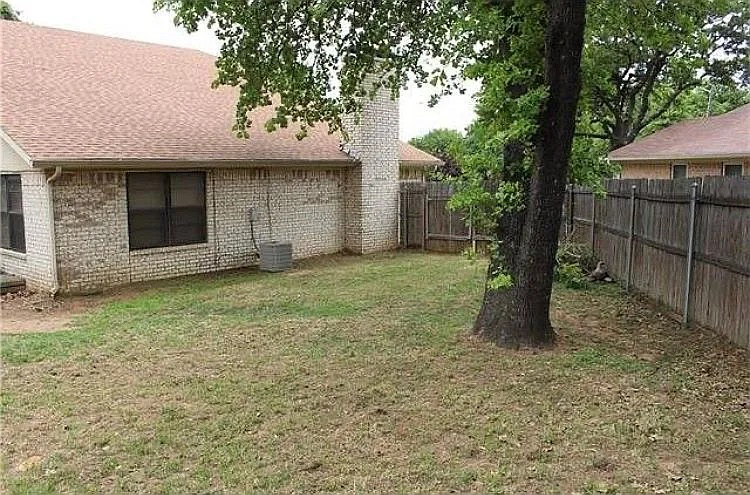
{"points": [[426, 221]]}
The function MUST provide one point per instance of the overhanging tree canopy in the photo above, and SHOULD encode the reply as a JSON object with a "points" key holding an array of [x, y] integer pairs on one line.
{"points": [[446, 144], [312, 57], [641, 56], [7, 12]]}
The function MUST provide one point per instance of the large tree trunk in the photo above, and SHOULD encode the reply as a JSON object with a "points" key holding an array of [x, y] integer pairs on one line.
{"points": [[519, 315]]}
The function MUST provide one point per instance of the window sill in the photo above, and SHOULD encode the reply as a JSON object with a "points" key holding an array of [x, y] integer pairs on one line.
{"points": [[13, 254], [169, 249]]}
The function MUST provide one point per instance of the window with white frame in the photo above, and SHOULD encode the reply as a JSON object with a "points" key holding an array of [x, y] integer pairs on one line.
{"points": [[732, 170], [679, 170], [12, 231]]}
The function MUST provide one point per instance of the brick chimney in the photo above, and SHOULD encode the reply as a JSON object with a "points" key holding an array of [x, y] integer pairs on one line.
{"points": [[372, 186]]}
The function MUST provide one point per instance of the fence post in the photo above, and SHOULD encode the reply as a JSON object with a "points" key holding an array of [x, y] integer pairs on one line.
{"points": [[689, 257], [593, 218], [566, 211], [450, 227], [405, 213], [426, 217], [572, 208], [630, 238], [471, 231]]}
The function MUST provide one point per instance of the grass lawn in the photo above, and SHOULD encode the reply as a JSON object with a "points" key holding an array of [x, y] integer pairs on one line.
{"points": [[358, 375]]}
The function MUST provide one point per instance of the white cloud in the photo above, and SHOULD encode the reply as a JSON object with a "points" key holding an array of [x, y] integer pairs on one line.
{"points": [[135, 19]]}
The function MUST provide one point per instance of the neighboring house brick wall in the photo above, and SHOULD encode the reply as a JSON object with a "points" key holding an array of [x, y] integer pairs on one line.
{"points": [[412, 173], [36, 265], [645, 171], [663, 170], [372, 189], [702, 169], [307, 208]]}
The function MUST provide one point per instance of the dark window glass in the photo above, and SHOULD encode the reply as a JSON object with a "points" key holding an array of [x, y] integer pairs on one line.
{"points": [[12, 235], [679, 171], [733, 170], [166, 209]]}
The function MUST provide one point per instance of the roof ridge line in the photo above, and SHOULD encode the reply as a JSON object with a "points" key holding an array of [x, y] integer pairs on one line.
{"points": [[105, 36]]}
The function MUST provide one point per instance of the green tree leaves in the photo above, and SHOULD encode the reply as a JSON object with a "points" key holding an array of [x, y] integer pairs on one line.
{"points": [[446, 144], [641, 56], [310, 58], [7, 12]]}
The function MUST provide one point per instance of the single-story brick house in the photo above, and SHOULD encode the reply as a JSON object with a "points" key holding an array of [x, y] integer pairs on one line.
{"points": [[119, 165], [718, 145]]}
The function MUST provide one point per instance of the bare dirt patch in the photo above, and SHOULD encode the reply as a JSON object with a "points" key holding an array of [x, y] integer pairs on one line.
{"points": [[29, 312], [36, 312]]}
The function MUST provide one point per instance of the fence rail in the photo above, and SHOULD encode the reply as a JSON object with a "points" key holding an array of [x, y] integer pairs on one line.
{"points": [[685, 243], [428, 223]]}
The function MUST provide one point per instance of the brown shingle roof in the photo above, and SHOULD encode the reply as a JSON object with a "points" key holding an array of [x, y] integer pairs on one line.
{"points": [[69, 96], [409, 155], [721, 136]]}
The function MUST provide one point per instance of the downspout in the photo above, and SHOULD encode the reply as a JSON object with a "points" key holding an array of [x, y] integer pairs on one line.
{"points": [[52, 245]]}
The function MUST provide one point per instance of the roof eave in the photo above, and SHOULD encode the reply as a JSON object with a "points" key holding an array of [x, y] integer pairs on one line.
{"points": [[186, 163], [192, 163], [678, 157], [420, 163], [16, 147]]}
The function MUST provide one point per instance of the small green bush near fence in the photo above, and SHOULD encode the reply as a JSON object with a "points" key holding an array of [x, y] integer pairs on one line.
{"points": [[573, 263]]}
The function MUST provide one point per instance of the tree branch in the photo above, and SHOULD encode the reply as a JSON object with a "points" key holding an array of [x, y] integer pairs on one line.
{"points": [[648, 88], [602, 97], [593, 135], [666, 106]]}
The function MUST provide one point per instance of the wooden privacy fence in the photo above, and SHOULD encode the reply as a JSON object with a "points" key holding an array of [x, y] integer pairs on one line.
{"points": [[427, 222], [685, 243]]}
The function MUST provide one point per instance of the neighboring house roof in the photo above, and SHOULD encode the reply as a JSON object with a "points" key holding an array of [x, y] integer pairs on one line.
{"points": [[721, 136], [76, 97], [411, 155]]}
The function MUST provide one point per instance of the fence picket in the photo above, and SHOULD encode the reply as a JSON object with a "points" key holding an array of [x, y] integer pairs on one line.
{"points": [[645, 245], [719, 292]]}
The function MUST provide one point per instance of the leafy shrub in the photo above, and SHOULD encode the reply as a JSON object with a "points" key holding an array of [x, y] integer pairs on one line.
{"points": [[573, 263], [579, 254], [571, 276], [470, 254]]}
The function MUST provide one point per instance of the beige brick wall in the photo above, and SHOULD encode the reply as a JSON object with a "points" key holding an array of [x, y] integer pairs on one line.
{"points": [[663, 170], [307, 207], [320, 210], [372, 190], [35, 265], [412, 173], [91, 235], [645, 171]]}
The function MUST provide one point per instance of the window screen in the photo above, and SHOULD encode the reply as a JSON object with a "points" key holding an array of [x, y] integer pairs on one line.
{"points": [[734, 170], [166, 209], [12, 235], [679, 171]]}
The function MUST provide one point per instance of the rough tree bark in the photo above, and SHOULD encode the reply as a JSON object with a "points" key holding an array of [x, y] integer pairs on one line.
{"points": [[622, 135], [519, 315]]}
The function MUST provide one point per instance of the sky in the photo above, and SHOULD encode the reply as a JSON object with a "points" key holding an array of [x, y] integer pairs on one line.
{"points": [[135, 19]]}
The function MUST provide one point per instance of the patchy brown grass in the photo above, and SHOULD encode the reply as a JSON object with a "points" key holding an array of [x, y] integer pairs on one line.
{"points": [[358, 375]]}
